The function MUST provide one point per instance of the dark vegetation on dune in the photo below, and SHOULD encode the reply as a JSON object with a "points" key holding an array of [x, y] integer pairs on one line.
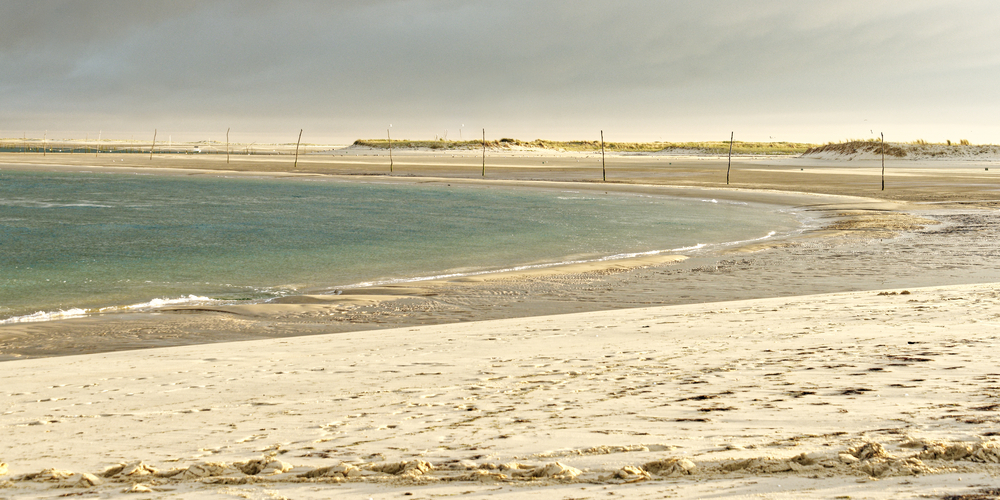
{"points": [[914, 149], [857, 146]]}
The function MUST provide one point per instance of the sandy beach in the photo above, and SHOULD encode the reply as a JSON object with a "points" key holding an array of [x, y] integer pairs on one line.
{"points": [[852, 361]]}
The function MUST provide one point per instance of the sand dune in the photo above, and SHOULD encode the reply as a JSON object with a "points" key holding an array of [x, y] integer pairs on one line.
{"points": [[870, 150]]}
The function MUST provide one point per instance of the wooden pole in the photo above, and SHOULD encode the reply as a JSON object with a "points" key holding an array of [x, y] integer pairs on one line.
{"points": [[45, 138], [99, 134], [730, 157], [484, 152], [604, 169], [387, 134], [227, 146], [296, 164], [151, 148], [883, 160]]}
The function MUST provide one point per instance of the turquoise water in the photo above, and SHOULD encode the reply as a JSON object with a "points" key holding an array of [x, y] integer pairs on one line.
{"points": [[79, 242]]}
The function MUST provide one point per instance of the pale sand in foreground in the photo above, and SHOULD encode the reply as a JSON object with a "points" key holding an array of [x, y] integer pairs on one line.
{"points": [[860, 395]]}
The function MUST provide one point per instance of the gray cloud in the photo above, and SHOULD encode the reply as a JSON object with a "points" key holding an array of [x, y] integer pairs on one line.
{"points": [[648, 68]]}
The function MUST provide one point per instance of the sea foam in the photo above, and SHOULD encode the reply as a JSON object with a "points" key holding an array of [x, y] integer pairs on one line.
{"points": [[157, 303], [45, 316], [77, 312]]}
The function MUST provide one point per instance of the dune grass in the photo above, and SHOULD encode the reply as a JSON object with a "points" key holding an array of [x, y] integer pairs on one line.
{"points": [[921, 142], [855, 146], [917, 148], [709, 147]]}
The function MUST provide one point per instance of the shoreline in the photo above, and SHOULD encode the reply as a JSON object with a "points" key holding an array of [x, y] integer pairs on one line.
{"points": [[522, 271], [624, 284]]}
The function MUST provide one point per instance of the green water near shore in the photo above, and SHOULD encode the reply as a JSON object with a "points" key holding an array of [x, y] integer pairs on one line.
{"points": [[82, 242]]}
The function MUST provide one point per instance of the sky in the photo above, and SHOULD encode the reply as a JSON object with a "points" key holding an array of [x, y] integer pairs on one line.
{"points": [[804, 71]]}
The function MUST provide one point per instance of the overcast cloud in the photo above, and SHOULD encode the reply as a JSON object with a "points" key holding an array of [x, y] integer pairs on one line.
{"points": [[640, 70]]}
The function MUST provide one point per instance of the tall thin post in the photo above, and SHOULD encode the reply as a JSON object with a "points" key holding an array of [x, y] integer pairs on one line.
{"points": [[45, 138], [883, 160], [151, 148], [99, 134], [730, 157], [227, 146], [484, 152], [604, 170], [296, 164], [387, 134]]}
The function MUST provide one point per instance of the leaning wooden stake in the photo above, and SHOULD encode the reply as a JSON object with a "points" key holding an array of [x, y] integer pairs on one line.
{"points": [[730, 157], [296, 164], [604, 170], [227, 145], [151, 148], [387, 134], [484, 152], [883, 160]]}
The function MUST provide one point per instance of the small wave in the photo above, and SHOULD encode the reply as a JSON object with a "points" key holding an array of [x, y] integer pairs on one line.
{"points": [[518, 268], [51, 204], [79, 313], [699, 246], [726, 202], [45, 316], [156, 303], [742, 242]]}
